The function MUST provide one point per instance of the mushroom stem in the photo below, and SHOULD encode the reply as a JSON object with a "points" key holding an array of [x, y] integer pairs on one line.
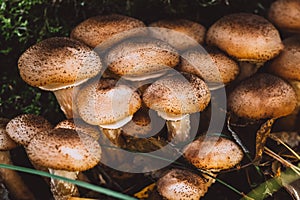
{"points": [[11, 179], [63, 190], [114, 136], [261, 138], [179, 131], [247, 69], [65, 100]]}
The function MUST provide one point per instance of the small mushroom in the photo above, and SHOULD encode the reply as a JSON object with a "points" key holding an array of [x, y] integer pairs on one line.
{"points": [[65, 152], [246, 37], [109, 105], [59, 64], [178, 184], [141, 58], [262, 96], [182, 34], [174, 98], [285, 14], [11, 179]]}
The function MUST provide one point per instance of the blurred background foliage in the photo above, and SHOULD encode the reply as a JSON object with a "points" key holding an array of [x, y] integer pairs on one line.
{"points": [[25, 22]]}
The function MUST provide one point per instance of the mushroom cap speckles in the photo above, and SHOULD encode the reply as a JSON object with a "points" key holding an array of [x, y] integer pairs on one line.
{"points": [[99, 29], [213, 153], [177, 94], [180, 184], [24, 127], [64, 149], [245, 36], [102, 102], [6, 143], [285, 14], [58, 63], [262, 96], [211, 66], [140, 56], [191, 33], [287, 64]]}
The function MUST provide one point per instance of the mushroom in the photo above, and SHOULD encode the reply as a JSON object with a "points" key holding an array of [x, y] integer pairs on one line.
{"points": [[178, 184], [59, 64], [182, 34], [246, 37], [65, 152], [104, 31], [174, 98], [285, 14], [213, 66], [11, 179], [109, 105], [140, 58], [262, 96]]}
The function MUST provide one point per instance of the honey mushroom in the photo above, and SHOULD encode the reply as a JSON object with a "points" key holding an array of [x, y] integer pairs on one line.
{"points": [[59, 65], [13, 182], [247, 38], [262, 97]]}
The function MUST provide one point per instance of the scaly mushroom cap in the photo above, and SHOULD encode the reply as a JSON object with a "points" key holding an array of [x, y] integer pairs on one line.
{"points": [[211, 66], [103, 102], [24, 127], [180, 184], [177, 95], [213, 153], [285, 14], [99, 29], [58, 63], [6, 143], [287, 64], [262, 96], [192, 33], [64, 149], [246, 37], [141, 56]]}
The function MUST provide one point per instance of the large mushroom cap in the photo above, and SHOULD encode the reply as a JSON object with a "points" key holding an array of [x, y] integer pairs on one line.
{"points": [[6, 143], [24, 127], [211, 66], [58, 63], [191, 33], [103, 102], [64, 149], [287, 64], [285, 14], [262, 96], [99, 29], [246, 37], [213, 153], [180, 184], [138, 57], [177, 95]]}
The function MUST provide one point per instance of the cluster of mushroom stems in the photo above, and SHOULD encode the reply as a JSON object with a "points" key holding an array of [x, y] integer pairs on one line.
{"points": [[114, 68]]}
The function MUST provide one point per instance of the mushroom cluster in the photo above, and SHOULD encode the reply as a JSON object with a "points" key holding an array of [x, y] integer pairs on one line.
{"points": [[114, 69]]}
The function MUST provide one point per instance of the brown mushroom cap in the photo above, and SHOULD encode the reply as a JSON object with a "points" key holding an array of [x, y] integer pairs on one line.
{"points": [[64, 149], [213, 153], [180, 184], [287, 64], [102, 102], [246, 37], [262, 96], [285, 14], [141, 56], [211, 66], [6, 143], [192, 33], [99, 29], [177, 95], [58, 63], [24, 127]]}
